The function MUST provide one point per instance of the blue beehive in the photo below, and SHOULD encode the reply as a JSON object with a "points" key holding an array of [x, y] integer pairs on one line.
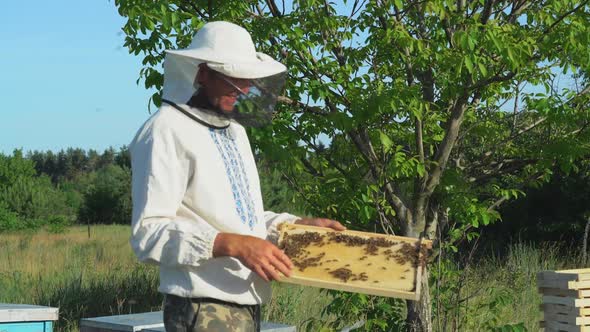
{"points": [[27, 318]]}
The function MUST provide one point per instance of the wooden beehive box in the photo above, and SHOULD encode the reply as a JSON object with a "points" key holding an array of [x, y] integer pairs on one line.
{"points": [[566, 300], [27, 318], [352, 261]]}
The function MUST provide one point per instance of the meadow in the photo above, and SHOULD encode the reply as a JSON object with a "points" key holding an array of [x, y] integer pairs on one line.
{"points": [[96, 275], [99, 275]]}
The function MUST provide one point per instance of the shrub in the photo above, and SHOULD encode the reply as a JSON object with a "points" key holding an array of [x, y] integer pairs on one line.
{"points": [[35, 198], [9, 220], [58, 224]]}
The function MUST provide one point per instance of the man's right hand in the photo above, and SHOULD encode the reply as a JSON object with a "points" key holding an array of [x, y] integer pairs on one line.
{"points": [[257, 254]]}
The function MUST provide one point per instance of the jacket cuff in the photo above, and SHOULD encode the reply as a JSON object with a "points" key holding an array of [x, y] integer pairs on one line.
{"points": [[196, 249], [208, 240]]}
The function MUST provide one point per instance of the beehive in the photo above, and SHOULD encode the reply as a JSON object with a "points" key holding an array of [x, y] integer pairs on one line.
{"points": [[359, 262], [566, 300], [27, 318], [150, 322]]}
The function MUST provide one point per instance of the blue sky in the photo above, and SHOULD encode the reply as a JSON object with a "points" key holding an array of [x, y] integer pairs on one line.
{"points": [[66, 80]]}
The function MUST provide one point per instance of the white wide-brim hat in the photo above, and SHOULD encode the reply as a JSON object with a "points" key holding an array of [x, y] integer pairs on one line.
{"points": [[226, 48]]}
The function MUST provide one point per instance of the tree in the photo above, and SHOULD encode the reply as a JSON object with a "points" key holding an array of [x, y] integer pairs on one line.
{"points": [[107, 199], [107, 158], [27, 199], [14, 168], [408, 98], [123, 157]]}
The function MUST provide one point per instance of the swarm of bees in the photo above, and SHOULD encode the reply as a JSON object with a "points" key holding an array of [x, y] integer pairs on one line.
{"points": [[295, 246]]}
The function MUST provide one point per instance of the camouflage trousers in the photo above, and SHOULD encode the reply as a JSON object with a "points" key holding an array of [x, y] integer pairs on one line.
{"points": [[211, 315]]}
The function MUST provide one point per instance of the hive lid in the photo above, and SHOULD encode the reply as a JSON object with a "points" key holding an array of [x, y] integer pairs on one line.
{"points": [[26, 313], [130, 323], [576, 279], [264, 327], [275, 327]]}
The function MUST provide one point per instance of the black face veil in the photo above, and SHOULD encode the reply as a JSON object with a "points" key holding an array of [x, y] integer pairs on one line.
{"points": [[255, 107]]}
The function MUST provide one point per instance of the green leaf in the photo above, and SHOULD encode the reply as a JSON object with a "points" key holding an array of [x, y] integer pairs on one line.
{"points": [[482, 69], [471, 42], [386, 141], [485, 218], [174, 19], [367, 212], [469, 64], [496, 42]]}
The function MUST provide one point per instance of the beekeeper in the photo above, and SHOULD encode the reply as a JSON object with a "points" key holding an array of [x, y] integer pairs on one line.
{"points": [[197, 206]]}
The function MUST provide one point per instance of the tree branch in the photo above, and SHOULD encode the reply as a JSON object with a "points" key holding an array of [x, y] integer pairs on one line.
{"points": [[460, 5], [501, 200], [368, 154], [502, 167], [337, 50], [494, 79], [320, 153], [306, 108], [517, 8], [446, 146], [274, 10], [195, 8], [487, 11], [532, 126], [310, 169], [295, 186], [566, 14]]}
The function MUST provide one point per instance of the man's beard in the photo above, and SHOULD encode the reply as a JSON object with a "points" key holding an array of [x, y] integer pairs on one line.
{"points": [[201, 101]]}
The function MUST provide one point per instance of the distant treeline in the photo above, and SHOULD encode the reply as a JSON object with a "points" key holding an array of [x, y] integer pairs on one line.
{"points": [[57, 189], [76, 186], [67, 165]]}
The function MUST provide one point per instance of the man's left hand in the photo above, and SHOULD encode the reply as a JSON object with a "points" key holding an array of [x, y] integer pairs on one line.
{"points": [[321, 222]]}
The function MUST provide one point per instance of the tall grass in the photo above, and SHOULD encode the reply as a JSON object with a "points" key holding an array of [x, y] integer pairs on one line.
{"points": [[84, 277], [501, 290], [99, 275]]}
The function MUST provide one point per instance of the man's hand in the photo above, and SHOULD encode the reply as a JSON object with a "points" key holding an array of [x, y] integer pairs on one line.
{"points": [[257, 254], [321, 222]]}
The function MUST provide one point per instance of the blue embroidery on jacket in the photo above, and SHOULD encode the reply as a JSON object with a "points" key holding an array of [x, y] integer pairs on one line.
{"points": [[236, 173], [245, 189]]}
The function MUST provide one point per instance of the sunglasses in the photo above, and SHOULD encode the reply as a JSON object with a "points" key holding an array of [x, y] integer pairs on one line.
{"points": [[239, 84]]}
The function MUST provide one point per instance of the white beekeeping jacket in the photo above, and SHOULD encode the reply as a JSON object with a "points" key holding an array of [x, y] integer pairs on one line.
{"points": [[191, 182]]}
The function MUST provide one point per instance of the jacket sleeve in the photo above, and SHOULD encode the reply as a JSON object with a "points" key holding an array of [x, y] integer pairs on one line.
{"points": [[160, 174], [273, 220]]}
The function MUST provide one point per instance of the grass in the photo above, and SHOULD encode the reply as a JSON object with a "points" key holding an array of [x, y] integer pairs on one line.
{"points": [[84, 277], [99, 275], [501, 290]]}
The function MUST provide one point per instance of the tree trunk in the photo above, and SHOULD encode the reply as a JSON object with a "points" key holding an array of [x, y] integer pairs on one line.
{"points": [[419, 317]]}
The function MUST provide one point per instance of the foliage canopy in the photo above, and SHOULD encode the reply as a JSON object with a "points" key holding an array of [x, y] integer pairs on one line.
{"points": [[414, 117]]}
